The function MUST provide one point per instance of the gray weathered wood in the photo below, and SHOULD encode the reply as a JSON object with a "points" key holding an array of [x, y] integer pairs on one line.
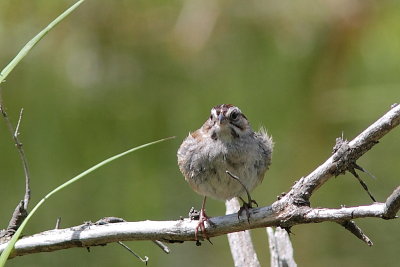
{"points": [[291, 209], [280, 248], [242, 248]]}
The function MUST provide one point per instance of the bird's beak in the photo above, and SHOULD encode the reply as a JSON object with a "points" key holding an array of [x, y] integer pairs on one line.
{"points": [[221, 118]]}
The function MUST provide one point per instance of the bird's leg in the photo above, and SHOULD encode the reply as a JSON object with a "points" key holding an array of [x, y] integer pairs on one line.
{"points": [[202, 219], [246, 205]]}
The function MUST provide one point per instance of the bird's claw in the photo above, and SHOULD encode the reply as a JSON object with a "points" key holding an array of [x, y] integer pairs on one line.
{"points": [[246, 207], [202, 219]]}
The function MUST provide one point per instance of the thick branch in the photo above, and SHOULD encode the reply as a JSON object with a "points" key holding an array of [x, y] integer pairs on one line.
{"points": [[343, 158], [392, 204], [280, 248], [183, 230], [242, 249], [292, 209]]}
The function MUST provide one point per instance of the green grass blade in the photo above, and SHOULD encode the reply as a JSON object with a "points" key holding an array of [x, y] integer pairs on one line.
{"points": [[25, 50], [10, 246]]}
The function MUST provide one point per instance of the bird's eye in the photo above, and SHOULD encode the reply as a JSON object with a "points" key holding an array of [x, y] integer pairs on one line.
{"points": [[234, 115], [211, 116]]}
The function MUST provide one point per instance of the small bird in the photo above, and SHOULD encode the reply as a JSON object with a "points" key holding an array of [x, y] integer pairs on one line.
{"points": [[225, 158]]}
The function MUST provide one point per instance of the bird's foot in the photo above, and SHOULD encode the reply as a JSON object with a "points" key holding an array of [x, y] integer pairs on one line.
{"points": [[246, 207], [200, 226]]}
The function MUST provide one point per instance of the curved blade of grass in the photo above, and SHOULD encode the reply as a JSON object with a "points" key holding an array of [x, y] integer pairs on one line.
{"points": [[25, 50], [10, 246]]}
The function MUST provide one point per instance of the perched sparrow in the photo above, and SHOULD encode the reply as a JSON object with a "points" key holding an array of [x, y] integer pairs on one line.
{"points": [[225, 158]]}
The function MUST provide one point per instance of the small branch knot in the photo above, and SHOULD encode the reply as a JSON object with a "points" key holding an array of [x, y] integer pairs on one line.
{"points": [[301, 201], [392, 205], [341, 156]]}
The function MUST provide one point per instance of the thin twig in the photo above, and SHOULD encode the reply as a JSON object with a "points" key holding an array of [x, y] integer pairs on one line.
{"points": [[145, 260], [58, 223], [18, 144], [16, 133], [364, 170], [355, 230], [363, 184], [27, 196], [162, 246], [242, 184]]}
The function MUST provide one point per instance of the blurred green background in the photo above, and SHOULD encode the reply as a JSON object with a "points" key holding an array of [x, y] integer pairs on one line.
{"points": [[116, 74]]}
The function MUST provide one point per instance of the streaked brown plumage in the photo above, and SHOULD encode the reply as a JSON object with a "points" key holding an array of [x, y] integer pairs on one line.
{"points": [[225, 142]]}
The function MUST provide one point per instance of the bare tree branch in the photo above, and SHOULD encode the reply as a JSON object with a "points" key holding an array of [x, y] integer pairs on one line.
{"points": [[87, 235], [355, 230], [280, 248], [24, 161], [392, 204], [17, 218], [21, 211], [242, 249], [21, 152], [291, 209], [343, 159]]}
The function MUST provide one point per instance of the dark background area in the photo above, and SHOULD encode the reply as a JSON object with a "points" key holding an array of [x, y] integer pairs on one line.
{"points": [[117, 74]]}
